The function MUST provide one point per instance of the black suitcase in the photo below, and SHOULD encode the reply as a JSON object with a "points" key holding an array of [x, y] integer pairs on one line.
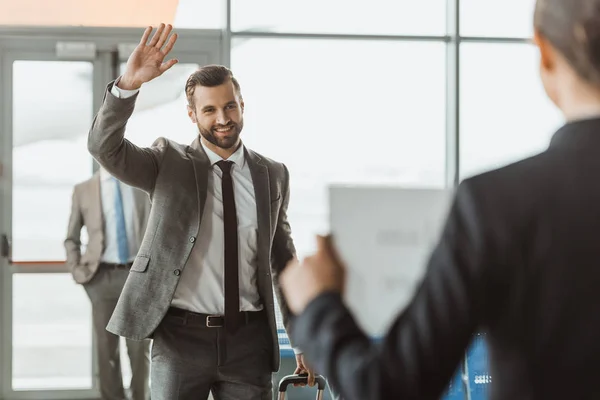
{"points": [[303, 378]]}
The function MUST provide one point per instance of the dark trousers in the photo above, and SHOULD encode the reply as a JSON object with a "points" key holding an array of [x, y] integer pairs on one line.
{"points": [[189, 360]]}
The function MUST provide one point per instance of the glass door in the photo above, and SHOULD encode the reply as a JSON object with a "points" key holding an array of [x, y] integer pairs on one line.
{"points": [[48, 104], [50, 87]]}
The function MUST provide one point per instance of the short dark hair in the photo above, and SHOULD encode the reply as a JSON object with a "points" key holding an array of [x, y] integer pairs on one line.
{"points": [[209, 76], [573, 27]]}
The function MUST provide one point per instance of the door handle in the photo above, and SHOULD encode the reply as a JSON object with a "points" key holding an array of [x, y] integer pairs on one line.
{"points": [[5, 247]]}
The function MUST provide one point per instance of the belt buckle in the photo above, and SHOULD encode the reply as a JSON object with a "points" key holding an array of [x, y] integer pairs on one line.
{"points": [[209, 324]]}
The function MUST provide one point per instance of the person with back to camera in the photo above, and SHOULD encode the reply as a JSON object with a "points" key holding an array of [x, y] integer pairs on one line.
{"points": [[519, 258]]}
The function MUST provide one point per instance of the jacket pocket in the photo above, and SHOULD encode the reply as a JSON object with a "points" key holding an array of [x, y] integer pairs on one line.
{"points": [[140, 264]]}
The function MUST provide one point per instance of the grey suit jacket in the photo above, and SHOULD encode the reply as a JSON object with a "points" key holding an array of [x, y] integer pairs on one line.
{"points": [[176, 177], [86, 210]]}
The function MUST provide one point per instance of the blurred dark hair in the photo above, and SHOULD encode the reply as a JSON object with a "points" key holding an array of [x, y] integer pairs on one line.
{"points": [[573, 27], [209, 76]]}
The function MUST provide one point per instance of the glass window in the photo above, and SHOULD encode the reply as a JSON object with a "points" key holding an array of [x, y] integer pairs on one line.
{"points": [[207, 14], [343, 111], [195, 14], [49, 130], [505, 114], [502, 18], [52, 334], [385, 17], [161, 109]]}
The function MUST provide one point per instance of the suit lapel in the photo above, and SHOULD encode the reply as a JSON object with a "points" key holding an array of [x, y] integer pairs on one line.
{"points": [[260, 180], [201, 166]]}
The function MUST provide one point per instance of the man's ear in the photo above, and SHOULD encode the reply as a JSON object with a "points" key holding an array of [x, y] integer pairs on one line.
{"points": [[547, 52], [192, 114]]}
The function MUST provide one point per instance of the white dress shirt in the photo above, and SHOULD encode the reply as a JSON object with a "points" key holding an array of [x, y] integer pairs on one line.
{"points": [[201, 287], [107, 190], [122, 93]]}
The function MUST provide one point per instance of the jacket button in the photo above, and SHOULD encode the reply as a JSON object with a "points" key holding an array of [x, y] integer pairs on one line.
{"points": [[177, 272], [192, 239]]}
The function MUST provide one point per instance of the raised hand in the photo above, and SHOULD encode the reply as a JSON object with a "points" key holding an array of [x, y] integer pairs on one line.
{"points": [[147, 60]]}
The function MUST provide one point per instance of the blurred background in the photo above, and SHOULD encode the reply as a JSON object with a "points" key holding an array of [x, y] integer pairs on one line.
{"points": [[404, 92]]}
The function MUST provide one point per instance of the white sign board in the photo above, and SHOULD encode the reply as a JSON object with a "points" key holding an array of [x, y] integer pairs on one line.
{"points": [[385, 236]]}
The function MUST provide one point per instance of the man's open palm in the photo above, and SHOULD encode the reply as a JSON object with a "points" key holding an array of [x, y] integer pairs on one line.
{"points": [[148, 59]]}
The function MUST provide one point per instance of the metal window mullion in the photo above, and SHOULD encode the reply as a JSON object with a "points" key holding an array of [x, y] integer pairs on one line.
{"points": [[338, 36], [452, 95], [104, 71], [6, 91], [227, 36], [495, 40], [453, 128]]}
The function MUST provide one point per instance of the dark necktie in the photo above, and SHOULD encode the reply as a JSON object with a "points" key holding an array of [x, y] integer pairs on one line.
{"points": [[232, 288]]}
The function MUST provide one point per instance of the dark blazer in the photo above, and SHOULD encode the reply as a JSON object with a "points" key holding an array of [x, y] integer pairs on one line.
{"points": [[519, 258]]}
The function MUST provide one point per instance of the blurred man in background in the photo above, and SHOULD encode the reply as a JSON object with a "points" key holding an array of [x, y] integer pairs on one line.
{"points": [[115, 217]]}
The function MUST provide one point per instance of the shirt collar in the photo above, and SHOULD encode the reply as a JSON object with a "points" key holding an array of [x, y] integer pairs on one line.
{"points": [[237, 158], [104, 175]]}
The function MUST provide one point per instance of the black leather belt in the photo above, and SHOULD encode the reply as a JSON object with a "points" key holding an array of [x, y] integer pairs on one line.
{"points": [[116, 266], [214, 321]]}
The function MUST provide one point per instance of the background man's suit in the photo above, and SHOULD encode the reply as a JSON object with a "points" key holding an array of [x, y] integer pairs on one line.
{"points": [[103, 268], [176, 176]]}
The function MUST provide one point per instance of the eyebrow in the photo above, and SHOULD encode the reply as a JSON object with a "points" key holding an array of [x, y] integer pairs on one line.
{"points": [[209, 107]]}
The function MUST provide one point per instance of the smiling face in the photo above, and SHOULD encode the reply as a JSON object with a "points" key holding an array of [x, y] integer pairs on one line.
{"points": [[215, 105], [218, 113]]}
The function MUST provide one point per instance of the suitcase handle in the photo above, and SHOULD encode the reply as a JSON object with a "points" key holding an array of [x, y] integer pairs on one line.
{"points": [[301, 379]]}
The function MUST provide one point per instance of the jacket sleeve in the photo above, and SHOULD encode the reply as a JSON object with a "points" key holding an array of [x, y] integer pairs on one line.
{"points": [[129, 163], [283, 248]]}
